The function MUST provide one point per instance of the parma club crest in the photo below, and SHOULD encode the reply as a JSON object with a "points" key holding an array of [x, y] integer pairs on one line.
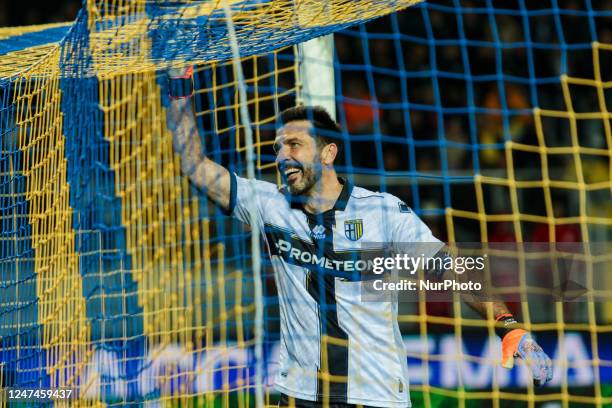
{"points": [[353, 229]]}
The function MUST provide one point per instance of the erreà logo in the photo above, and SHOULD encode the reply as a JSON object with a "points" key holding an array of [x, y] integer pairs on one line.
{"points": [[318, 232], [353, 229]]}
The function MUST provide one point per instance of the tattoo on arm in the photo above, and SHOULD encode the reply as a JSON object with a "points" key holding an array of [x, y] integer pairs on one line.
{"points": [[498, 307], [203, 172], [185, 134]]}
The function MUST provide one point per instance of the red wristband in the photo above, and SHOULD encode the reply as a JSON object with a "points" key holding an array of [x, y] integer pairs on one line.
{"points": [[180, 87]]}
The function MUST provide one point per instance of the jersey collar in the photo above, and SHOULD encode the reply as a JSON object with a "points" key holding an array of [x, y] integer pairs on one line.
{"points": [[345, 194]]}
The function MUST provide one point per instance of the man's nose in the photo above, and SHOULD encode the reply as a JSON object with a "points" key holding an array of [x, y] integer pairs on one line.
{"points": [[281, 155]]}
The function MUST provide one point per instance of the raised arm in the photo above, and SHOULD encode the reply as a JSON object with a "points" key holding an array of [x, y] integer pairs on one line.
{"points": [[204, 173]]}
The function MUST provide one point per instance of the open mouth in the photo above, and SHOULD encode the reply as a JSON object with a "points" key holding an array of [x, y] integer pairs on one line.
{"points": [[292, 173]]}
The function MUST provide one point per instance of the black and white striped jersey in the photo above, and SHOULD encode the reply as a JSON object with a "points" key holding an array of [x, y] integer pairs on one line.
{"points": [[325, 325]]}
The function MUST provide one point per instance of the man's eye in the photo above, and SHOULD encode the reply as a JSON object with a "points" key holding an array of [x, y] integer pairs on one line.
{"points": [[294, 145]]}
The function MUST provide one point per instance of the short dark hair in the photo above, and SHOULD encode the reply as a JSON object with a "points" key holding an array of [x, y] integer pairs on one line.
{"points": [[326, 129]]}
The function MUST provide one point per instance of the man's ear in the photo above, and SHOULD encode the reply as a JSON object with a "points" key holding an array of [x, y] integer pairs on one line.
{"points": [[329, 154]]}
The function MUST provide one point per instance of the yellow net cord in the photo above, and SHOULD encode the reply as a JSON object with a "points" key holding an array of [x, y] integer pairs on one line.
{"points": [[61, 307]]}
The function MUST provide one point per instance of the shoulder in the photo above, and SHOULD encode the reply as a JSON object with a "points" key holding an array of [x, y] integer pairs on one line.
{"points": [[360, 193], [259, 188], [396, 205], [387, 202], [364, 201]]}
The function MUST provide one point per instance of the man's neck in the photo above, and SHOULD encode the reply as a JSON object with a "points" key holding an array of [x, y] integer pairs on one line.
{"points": [[324, 194]]}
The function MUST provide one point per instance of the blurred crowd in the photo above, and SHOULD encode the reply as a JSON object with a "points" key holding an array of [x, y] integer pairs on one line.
{"points": [[491, 70]]}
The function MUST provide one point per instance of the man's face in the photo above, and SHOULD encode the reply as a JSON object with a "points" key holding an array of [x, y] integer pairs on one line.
{"points": [[297, 156]]}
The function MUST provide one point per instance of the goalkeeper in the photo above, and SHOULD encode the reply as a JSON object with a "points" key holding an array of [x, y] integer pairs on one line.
{"points": [[335, 349]]}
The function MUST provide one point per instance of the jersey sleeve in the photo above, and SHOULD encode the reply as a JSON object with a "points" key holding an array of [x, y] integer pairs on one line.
{"points": [[408, 232], [244, 192]]}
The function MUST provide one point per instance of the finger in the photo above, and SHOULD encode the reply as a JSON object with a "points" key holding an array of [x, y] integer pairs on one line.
{"points": [[536, 372], [549, 369], [542, 368], [508, 362], [508, 359], [534, 363], [543, 365], [549, 375], [511, 345]]}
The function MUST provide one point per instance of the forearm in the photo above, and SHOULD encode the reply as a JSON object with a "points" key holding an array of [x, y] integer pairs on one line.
{"points": [[205, 174], [492, 308], [186, 140], [498, 308]]}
